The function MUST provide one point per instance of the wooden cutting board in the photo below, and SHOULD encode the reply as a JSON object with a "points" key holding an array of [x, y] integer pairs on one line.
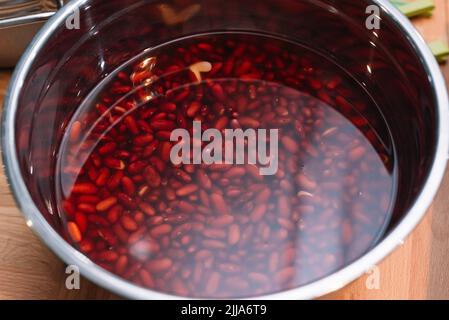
{"points": [[419, 269]]}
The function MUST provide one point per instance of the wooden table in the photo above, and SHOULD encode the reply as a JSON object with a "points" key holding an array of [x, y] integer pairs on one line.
{"points": [[417, 270]]}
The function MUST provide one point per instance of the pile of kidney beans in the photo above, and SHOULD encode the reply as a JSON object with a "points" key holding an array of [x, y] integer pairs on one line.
{"points": [[224, 230]]}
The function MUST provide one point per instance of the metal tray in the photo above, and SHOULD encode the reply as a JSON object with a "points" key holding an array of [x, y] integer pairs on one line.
{"points": [[19, 22]]}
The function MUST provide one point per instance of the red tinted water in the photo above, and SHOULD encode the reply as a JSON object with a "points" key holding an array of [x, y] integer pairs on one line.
{"points": [[214, 230]]}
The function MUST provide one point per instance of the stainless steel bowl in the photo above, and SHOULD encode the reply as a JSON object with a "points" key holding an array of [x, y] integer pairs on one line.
{"points": [[53, 64]]}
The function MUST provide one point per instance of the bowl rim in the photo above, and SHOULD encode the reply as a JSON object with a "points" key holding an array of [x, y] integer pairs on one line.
{"points": [[330, 283]]}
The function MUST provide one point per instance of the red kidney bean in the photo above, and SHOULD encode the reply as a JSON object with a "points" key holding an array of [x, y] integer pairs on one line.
{"points": [[84, 188], [147, 278], [204, 179], [147, 209], [105, 204], [234, 234], [186, 190], [128, 186], [121, 264], [159, 265], [160, 230], [114, 163], [219, 203], [74, 231], [128, 223], [258, 212], [75, 131]]}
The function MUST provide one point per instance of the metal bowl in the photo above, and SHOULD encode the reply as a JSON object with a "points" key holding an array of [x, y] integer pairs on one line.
{"points": [[60, 66]]}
